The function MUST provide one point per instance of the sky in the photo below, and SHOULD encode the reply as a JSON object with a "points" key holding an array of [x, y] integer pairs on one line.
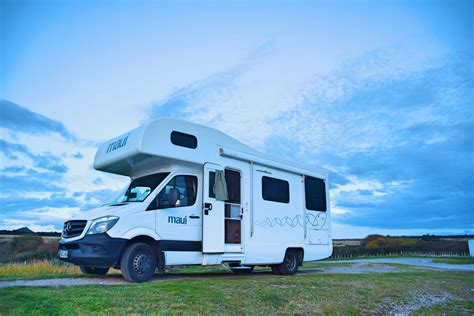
{"points": [[380, 93]]}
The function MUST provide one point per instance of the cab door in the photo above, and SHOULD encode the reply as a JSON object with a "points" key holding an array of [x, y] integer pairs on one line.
{"points": [[177, 209], [213, 213]]}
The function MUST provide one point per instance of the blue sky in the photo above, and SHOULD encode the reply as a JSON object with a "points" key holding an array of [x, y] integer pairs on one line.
{"points": [[378, 93]]}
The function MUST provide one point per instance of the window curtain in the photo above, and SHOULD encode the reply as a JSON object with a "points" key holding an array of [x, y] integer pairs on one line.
{"points": [[220, 186]]}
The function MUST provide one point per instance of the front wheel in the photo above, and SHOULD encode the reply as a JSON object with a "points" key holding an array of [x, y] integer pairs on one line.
{"points": [[94, 270], [289, 265], [138, 262]]}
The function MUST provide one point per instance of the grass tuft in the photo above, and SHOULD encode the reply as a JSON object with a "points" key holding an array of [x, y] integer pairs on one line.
{"points": [[37, 269]]}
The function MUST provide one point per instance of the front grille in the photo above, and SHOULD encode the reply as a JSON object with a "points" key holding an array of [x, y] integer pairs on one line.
{"points": [[73, 228]]}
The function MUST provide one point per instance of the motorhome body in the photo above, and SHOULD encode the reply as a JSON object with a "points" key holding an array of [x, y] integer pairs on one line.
{"points": [[198, 196]]}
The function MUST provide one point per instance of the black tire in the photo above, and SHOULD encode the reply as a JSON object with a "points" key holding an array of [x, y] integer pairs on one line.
{"points": [[138, 262], [94, 270], [275, 269], [290, 263], [243, 270]]}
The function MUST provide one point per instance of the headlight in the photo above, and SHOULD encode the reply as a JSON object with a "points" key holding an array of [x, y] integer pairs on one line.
{"points": [[102, 224]]}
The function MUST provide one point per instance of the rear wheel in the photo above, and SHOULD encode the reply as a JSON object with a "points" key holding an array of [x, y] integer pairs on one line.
{"points": [[275, 269], [138, 262], [94, 270], [289, 265]]}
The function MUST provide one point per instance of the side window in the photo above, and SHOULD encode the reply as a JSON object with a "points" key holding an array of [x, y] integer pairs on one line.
{"points": [[180, 191], [275, 190], [184, 140], [212, 181], [232, 179], [315, 194]]}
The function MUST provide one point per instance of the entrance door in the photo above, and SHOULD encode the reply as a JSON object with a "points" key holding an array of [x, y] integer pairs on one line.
{"points": [[212, 213], [233, 212]]}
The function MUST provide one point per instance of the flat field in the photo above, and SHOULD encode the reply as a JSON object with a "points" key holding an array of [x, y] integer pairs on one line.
{"points": [[318, 289], [46, 239]]}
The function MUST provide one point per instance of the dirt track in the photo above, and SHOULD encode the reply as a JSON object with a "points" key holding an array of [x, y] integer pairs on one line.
{"points": [[359, 266], [355, 268]]}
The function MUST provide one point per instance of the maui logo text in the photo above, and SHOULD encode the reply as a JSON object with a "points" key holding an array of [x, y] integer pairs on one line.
{"points": [[177, 220], [117, 144]]}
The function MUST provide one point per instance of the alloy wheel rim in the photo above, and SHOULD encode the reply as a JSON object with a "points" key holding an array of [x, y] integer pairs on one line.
{"points": [[290, 262]]}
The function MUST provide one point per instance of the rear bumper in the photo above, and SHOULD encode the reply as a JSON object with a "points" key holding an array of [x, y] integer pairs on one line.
{"points": [[98, 250]]}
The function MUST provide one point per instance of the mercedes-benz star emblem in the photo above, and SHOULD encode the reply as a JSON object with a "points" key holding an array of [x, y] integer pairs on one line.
{"points": [[67, 228]]}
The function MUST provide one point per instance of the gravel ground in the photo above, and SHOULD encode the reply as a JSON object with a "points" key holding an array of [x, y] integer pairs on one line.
{"points": [[355, 268], [414, 301], [359, 268], [61, 282], [417, 262]]}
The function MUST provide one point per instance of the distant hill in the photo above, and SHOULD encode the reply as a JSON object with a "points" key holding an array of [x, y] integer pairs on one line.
{"points": [[23, 231], [27, 231]]}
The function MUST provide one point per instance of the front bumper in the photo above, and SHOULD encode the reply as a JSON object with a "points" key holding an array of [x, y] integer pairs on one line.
{"points": [[99, 250]]}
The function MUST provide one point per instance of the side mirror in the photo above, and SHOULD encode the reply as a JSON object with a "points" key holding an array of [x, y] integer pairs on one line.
{"points": [[132, 195]]}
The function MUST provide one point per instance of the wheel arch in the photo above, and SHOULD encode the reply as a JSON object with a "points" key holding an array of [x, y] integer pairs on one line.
{"points": [[146, 239], [299, 254]]}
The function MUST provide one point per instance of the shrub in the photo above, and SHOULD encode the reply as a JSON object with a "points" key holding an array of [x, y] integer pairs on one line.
{"points": [[26, 248], [364, 242], [5, 248], [374, 245], [26, 243]]}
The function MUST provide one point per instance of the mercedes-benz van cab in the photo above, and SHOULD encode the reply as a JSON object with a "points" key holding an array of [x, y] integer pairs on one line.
{"points": [[199, 197]]}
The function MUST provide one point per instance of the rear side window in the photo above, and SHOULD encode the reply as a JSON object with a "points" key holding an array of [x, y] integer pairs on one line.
{"points": [[315, 194], [184, 140], [275, 190]]}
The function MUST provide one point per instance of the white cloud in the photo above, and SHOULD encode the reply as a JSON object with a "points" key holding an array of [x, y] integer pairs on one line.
{"points": [[339, 210], [51, 213]]}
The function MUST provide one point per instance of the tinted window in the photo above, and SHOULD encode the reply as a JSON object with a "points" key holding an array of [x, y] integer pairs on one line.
{"points": [[184, 140], [315, 194], [232, 179], [275, 190], [180, 191], [212, 181]]}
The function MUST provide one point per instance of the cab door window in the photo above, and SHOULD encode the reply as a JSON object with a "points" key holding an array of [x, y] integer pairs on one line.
{"points": [[179, 192]]}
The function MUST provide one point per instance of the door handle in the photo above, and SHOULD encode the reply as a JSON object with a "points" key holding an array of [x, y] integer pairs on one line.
{"points": [[207, 208], [194, 216]]}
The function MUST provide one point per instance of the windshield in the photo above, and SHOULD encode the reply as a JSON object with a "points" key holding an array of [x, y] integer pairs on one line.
{"points": [[139, 189]]}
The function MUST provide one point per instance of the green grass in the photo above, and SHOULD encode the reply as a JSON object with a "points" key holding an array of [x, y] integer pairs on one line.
{"points": [[454, 260], [257, 293]]}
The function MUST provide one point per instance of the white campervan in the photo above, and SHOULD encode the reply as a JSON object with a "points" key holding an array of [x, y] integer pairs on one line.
{"points": [[199, 197]]}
